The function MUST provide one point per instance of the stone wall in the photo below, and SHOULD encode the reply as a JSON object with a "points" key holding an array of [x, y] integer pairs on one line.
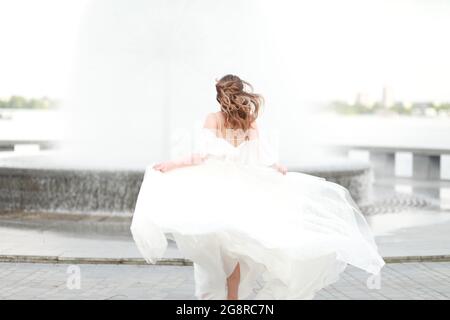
{"points": [[68, 190]]}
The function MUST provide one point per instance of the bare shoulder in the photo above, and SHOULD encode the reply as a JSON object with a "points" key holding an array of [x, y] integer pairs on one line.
{"points": [[211, 120]]}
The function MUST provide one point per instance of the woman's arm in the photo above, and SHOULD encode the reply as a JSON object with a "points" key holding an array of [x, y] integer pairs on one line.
{"points": [[194, 159], [187, 162]]}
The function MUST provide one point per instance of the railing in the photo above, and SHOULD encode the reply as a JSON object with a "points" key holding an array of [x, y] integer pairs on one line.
{"points": [[426, 162], [9, 145]]}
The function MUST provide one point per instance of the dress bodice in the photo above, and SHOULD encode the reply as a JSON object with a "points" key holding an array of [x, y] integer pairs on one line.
{"points": [[249, 152]]}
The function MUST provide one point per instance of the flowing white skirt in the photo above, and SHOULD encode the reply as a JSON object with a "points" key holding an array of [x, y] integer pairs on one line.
{"points": [[292, 234]]}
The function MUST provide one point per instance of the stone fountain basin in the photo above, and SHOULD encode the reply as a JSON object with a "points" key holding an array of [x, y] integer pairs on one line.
{"points": [[39, 183]]}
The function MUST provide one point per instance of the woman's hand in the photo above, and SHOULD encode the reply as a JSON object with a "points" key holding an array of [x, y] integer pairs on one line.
{"points": [[165, 166], [280, 168]]}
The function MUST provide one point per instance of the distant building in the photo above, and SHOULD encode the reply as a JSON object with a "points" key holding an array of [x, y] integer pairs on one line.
{"points": [[388, 97]]}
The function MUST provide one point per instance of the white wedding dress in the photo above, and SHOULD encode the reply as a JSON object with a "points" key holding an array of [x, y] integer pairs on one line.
{"points": [[292, 234]]}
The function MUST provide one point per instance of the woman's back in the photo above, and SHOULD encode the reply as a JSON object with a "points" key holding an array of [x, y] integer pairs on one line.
{"points": [[234, 136]]}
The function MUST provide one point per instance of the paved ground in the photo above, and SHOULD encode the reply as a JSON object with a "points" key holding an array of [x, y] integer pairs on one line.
{"points": [[430, 280]]}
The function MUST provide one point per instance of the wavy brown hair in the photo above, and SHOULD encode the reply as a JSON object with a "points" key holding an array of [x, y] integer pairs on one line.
{"points": [[239, 104]]}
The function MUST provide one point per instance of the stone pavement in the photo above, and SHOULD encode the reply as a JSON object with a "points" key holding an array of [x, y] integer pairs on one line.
{"points": [[426, 280]]}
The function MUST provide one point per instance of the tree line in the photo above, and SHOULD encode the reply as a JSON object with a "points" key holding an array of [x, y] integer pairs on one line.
{"points": [[19, 102]]}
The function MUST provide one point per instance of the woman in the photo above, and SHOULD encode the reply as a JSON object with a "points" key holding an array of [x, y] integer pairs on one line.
{"points": [[248, 225]]}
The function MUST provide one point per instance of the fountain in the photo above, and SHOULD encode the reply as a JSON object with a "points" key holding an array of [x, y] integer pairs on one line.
{"points": [[35, 184], [144, 70]]}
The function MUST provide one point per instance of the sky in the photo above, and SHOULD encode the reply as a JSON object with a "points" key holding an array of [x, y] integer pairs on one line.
{"points": [[37, 42], [341, 49]]}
